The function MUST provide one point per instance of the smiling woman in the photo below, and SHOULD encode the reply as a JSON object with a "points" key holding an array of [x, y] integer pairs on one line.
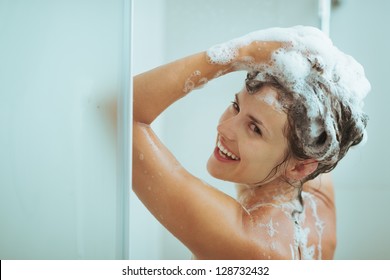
{"points": [[295, 118]]}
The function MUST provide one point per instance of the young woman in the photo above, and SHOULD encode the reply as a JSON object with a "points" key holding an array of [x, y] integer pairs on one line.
{"points": [[295, 118]]}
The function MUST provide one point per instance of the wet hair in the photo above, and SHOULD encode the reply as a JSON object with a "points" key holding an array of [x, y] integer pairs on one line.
{"points": [[325, 147]]}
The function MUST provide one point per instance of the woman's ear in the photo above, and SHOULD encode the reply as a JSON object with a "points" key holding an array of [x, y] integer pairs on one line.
{"points": [[300, 169]]}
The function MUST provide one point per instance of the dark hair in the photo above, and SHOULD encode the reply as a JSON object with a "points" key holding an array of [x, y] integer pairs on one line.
{"points": [[347, 126]]}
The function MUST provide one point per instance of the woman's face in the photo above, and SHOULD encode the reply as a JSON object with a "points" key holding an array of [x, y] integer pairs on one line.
{"points": [[250, 140]]}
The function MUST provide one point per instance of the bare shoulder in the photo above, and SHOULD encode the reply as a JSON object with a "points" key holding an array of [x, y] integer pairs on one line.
{"points": [[320, 214], [272, 230]]}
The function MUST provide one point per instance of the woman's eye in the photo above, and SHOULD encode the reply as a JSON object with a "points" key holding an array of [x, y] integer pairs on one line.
{"points": [[255, 128], [235, 106]]}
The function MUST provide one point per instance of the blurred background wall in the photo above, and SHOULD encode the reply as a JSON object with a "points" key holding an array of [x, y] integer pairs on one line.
{"points": [[61, 73], [164, 30]]}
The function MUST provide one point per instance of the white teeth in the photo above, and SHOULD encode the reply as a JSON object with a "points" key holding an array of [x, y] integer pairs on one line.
{"points": [[225, 151], [222, 154]]}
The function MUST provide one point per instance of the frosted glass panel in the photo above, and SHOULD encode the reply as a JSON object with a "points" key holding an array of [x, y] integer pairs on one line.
{"points": [[60, 76]]}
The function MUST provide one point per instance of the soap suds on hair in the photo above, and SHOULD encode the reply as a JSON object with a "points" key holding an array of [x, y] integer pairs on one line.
{"points": [[324, 86], [271, 99]]}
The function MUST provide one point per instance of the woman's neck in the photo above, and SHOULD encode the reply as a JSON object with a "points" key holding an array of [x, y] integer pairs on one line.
{"points": [[275, 192]]}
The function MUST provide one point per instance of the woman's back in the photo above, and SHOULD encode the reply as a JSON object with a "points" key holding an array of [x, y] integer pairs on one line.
{"points": [[285, 233]]}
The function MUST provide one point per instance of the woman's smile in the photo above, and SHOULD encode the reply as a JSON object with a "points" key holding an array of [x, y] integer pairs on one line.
{"points": [[224, 154]]}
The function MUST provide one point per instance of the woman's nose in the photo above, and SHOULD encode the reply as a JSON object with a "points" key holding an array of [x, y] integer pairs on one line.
{"points": [[228, 129]]}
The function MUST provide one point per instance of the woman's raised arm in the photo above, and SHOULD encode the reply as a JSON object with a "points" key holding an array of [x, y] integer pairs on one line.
{"points": [[156, 89]]}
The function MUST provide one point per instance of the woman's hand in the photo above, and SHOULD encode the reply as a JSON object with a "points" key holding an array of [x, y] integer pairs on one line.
{"points": [[255, 48]]}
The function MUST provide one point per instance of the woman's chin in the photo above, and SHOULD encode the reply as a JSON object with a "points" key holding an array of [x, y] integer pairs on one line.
{"points": [[216, 171], [219, 172]]}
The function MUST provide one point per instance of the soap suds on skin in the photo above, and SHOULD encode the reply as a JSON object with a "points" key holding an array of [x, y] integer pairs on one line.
{"points": [[194, 81], [270, 228], [319, 224], [190, 82], [299, 248]]}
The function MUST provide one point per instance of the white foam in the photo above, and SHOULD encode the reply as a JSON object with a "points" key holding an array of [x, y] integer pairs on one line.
{"points": [[319, 224], [270, 228], [270, 98], [193, 81], [307, 65]]}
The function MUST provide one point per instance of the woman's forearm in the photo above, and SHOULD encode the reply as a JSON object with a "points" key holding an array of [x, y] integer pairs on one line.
{"points": [[157, 89]]}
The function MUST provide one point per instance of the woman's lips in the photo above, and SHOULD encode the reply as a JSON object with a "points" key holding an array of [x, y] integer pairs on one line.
{"points": [[221, 157], [225, 152], [224, 155]]}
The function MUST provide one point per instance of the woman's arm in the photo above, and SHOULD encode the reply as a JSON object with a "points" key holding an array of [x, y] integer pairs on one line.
{"points": [[210, 223], [156, 89]]}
